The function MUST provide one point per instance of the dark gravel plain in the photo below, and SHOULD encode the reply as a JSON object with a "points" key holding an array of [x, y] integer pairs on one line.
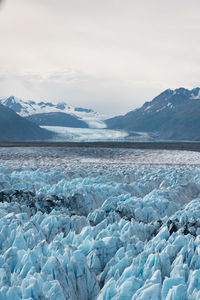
{"points": [[189, 146]]}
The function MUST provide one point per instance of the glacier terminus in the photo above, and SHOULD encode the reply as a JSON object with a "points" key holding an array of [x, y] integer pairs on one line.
{"points": [[92, 223]]}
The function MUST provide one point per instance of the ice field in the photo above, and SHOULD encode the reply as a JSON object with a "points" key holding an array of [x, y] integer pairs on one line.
{"points": [[92, 223], [86, 134]]}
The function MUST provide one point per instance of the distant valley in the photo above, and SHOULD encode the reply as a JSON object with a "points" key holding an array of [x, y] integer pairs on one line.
{"points": [[61, 121], [174, 115]]}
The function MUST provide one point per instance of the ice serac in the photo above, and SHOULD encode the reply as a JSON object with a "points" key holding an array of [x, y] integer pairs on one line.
{"points": [[73, 229]]}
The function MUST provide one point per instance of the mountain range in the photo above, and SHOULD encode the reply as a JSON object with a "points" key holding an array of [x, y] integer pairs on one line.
{"points": [[172, 115], [54, 114]]}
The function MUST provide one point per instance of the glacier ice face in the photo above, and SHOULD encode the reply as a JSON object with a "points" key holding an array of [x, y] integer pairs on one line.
{"points": [[72, 227]]}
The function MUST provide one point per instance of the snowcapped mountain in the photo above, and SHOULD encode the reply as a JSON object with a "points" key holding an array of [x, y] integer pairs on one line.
{"points": [[174, 114], [32, 108]]}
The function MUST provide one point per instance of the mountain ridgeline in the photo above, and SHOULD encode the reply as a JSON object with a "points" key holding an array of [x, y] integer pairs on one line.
{"points": [[172, 115], [49, 114]]}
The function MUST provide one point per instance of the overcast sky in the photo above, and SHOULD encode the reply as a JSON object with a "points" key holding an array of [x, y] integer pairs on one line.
{"points": [[109, 55]]}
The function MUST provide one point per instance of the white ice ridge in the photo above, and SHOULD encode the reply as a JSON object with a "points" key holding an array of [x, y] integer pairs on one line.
{"points": [[73, 228]]}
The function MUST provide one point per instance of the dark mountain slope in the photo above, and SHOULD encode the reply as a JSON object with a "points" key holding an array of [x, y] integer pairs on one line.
{"points": [[15, 128], [57, 119], [172, 115]]}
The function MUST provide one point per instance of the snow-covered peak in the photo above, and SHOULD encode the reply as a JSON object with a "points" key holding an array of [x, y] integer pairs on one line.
{"points": [[27, 108], [13, 103], [180, 91], [170, 99], [195, 94]]}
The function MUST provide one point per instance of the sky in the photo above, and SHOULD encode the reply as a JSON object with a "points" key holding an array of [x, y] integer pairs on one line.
{"points": [[109, 55]]}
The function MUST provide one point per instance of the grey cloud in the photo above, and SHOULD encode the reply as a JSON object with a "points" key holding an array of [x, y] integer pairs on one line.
{"points": [[112, 54], [104, 95]]}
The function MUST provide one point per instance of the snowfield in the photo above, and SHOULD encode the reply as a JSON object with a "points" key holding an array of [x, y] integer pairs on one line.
{"points": [[91, 223]]}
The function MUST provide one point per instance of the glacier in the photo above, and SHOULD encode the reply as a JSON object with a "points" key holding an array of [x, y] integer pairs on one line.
{"points": [[92, 223], [86, 134]]}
